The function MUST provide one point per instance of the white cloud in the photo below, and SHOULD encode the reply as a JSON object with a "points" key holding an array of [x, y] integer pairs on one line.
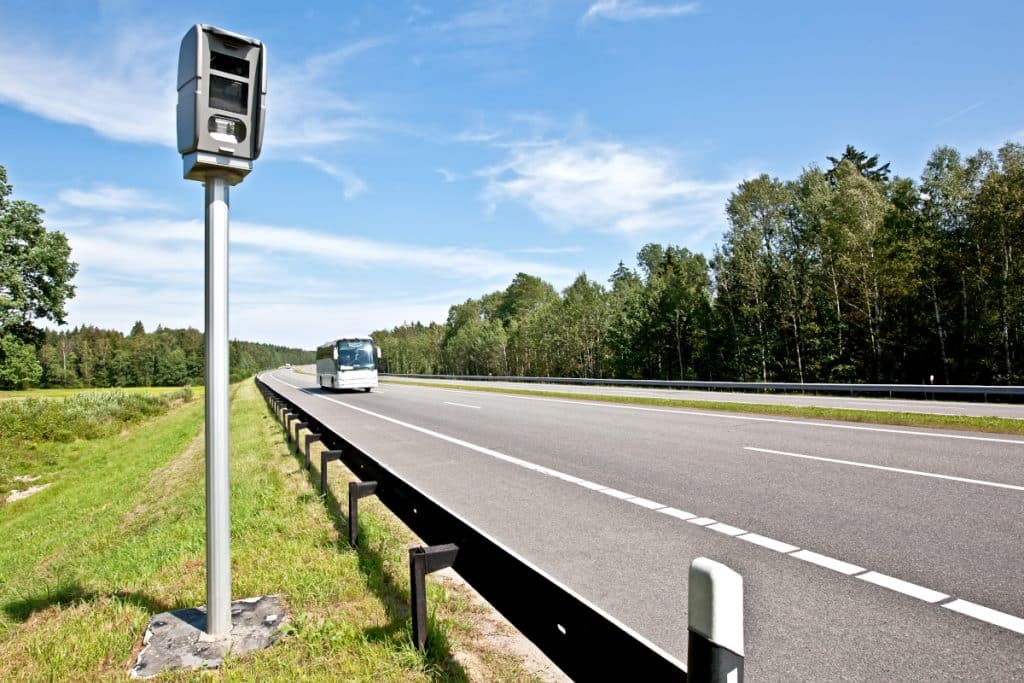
{"points": [[153, 269], [125, 90], [111, 198], [634, 10], [550, 250], [351, 185], [140, 246], [605, 187]]}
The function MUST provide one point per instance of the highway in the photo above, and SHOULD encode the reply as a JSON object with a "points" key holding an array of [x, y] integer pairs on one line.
{"points": [[867, 552], [1013, 411]]}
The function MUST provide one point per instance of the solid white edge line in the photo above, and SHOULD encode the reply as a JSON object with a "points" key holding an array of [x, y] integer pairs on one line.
{"points": [[770, 543], [901, 586], [615, 493], [701, 521], [644, 503], [827, 562], [627, 629], [987, 614], [899, 470], [675, 512], [979, 612]]}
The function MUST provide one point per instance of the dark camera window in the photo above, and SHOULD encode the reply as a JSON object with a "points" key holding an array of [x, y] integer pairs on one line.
{"points": [[229, 64], [229, 95]]}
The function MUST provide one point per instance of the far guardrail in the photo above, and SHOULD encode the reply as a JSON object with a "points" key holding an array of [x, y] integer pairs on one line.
{"points": [[1010, 393]]}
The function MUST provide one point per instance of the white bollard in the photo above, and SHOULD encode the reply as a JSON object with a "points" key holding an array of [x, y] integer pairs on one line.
{"points": [[715, 610]]}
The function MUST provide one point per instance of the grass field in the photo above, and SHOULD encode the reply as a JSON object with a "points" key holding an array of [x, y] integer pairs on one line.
{"points": [[119, 537], [998, 425], [64, 393]]}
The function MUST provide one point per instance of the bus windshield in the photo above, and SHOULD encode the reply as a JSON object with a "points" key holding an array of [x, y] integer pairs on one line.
{"points": [[356, 354]]}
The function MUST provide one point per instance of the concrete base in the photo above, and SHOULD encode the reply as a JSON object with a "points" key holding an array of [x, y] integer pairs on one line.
{"points": [[178, 640]]}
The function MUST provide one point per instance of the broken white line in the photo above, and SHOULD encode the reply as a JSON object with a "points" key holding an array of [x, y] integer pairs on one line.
{"points": [[899, 470]]}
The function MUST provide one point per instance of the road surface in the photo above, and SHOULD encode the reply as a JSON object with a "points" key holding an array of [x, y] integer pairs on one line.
{"points": [[867, 552]]}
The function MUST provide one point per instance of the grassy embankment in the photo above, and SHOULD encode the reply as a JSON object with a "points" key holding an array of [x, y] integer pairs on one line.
{"points": [[61, 392], [120, 534], [997, 425]]}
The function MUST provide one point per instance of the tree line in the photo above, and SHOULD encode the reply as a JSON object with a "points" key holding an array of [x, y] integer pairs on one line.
{"points": [[846, 273], [88, 356]]}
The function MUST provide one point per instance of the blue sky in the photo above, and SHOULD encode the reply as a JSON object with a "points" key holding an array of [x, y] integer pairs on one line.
{"points": [[421, 153]]}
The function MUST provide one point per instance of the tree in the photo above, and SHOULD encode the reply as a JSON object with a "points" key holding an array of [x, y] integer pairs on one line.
{"points": [[865, 165], [18, 365], [35, 268]]}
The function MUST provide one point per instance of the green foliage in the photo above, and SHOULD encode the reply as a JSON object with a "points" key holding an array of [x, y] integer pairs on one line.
{"points": [[35, 268], [848, 274], [87, 415], [92, 357], [18, 365]]}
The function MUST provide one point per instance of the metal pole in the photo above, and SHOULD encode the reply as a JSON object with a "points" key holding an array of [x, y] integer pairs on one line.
{"points": [[218, 521]]}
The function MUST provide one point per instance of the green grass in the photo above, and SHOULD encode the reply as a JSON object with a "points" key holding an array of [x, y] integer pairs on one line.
{"points": [[999, 425], [65, 392], [120, 537], [34, 431]]}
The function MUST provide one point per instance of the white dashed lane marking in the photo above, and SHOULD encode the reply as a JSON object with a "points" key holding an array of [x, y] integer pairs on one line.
{"points": [[928, 595], [898, 470], [461, 405]]}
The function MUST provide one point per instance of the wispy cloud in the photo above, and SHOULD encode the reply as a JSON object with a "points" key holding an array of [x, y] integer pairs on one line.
{"points": [[123, 92], [447, 175], [124, 89], [606, 187], [635, 10], [958, 114], [111, 198], [351, 185], [550, 250]]}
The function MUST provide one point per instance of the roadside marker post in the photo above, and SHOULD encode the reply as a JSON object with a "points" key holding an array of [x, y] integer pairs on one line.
{"points": [[715, 613]]}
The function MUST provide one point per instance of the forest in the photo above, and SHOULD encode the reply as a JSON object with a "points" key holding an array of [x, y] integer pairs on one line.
{"points": [[93, 357], [846, 273]]}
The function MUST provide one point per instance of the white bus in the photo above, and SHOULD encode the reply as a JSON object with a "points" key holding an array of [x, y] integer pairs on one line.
{"points": [[347, 363]]}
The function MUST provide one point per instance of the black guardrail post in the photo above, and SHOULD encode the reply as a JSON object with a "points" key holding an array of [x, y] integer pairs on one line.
{"points": [[423, 561], [326, 457], [715, 601], [567, 628], [288, 423], [357, 490], [310, 438], [299, 426]]}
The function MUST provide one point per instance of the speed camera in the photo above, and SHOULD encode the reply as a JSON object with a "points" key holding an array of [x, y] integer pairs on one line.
{"points": [[222, 88]]}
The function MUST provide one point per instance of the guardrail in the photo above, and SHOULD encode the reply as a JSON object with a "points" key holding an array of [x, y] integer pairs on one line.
{"points": [[1011, 393], [581, 639]]}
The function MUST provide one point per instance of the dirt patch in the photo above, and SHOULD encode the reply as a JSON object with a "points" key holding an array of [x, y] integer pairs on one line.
{"points": [[18, 495]]}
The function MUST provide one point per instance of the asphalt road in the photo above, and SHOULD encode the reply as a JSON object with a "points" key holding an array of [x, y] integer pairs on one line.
{"points": [[893, 405], [868, 553]]}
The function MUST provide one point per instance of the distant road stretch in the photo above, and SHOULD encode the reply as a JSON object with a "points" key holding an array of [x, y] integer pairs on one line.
{"points": [[945, 407], [868, 552]]}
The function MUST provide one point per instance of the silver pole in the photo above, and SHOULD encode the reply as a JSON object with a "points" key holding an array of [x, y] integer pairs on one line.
{"points": [[218, 521]]}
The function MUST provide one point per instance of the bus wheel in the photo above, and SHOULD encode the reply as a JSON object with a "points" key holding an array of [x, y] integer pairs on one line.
{"points": [[368, 389]]}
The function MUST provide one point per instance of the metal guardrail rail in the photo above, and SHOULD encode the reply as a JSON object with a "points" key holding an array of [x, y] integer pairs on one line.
{"points": [[582, 640], [1012, 393]]}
